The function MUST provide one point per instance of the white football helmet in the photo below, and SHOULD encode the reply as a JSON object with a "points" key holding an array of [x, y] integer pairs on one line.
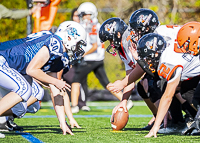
{"points": [[87, 8], [73, 36]]}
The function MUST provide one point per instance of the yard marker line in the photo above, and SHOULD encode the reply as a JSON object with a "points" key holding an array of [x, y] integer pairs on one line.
{"points": [[100, 103], [29, 137], [87, 116]]}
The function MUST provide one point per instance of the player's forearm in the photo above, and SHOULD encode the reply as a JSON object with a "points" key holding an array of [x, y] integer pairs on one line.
{"points": [[67, 107], [133, 76], [162, 109], [127, 91], [166, 101], [41, 76], [58, 103]]}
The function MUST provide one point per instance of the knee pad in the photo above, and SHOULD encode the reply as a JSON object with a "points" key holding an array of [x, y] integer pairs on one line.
{"points": [[141, 91], [37, 91], [33, 108], [19, 109]]}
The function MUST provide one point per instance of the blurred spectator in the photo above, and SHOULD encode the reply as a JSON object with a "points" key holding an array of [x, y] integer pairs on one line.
{"points": [[94, 53], [74, 15], [16, 14]]}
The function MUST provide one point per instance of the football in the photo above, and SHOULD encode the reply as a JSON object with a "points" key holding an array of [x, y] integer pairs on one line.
{"points": [[119, 119]]}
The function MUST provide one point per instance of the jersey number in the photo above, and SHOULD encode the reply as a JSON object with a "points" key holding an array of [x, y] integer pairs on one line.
{"points": [[163, 70]]}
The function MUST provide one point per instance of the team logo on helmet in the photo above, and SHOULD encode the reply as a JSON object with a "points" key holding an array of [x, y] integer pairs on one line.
{"points": [[110, 27], [144, 19], [72, 31], [152, 45]]}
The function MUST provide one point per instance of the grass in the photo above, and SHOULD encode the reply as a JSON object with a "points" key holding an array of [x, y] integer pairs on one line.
{"points": [[94, 129]]}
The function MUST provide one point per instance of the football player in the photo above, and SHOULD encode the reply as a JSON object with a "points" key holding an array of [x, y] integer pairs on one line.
{"points": [[40, 55], [178, 62], [117, 32], [145, 21]]}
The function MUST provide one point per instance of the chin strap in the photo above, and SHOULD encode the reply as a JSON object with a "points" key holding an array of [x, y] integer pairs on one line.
{"points": [[145, 67]]}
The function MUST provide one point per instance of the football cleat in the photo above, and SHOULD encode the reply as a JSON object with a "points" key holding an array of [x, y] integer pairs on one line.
{"points": [[13, 125], [75, 109], [85, 108], [191, 125]]}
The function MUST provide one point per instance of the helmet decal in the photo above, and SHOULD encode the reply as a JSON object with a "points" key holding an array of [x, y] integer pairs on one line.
{"points": [[144, 19], [72, 31], [110, 27], [152, 44]]}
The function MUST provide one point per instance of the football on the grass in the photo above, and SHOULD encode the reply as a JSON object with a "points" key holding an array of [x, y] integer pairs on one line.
{"points": [[119, 119]]}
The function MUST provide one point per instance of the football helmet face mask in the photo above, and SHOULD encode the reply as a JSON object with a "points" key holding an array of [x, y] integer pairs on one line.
{"points": [[87, 8], [73, 36], [188, 38], [150, 48], [112, 30], [143, 21]]}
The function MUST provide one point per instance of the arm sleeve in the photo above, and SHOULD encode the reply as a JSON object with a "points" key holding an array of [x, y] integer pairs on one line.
{"points": [[12, 14]]}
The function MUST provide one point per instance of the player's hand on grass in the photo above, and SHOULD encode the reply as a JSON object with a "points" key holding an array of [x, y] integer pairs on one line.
{"points": [[73, 123], [152, 132], [117, 86], [66, 129]]}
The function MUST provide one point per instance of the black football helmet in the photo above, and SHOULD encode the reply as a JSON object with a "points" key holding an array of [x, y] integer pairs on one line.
{"points": [[143, 21], [150, 48], [112, 29]]}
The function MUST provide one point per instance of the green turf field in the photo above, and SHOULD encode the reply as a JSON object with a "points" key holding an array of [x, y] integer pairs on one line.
{"points": [[44, 127]]}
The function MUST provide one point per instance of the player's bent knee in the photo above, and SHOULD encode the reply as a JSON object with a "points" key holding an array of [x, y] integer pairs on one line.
{"points": [[34, 107], [19, 109]]}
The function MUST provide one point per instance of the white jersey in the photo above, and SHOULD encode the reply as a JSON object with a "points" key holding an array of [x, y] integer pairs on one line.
{"points": [[125, 53], [92, 30], [172, 64]]}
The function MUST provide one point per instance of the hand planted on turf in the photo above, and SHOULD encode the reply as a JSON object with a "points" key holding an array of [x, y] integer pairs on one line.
{"points": [[117, 86], [152, 132], [73, 123], [65, 128]]}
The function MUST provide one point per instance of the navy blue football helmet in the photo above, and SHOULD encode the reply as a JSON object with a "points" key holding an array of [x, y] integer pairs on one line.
{"points": [[112, 29], [150, 48], [143, 21]]}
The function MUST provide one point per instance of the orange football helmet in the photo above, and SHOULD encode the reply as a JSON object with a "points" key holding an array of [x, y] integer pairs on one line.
{"points": [[188, 38]]}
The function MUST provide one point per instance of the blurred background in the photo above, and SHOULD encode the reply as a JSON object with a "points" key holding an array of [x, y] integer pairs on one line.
{"points": [[173, 12]]}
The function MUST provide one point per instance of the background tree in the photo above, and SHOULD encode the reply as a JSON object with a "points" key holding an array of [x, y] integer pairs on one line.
{"points": [[168, 11]]}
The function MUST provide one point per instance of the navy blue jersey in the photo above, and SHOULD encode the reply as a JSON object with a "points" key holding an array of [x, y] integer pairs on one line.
{"points": [[18, 53]]}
